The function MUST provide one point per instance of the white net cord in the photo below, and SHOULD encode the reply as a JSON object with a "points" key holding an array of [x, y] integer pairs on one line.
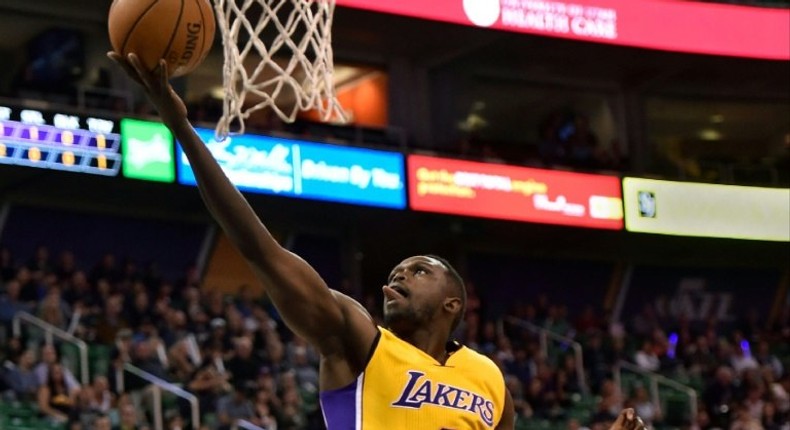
{"points": [[295, 69]]}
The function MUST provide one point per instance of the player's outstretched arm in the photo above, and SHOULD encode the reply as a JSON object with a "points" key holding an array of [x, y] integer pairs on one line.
{"points": [[323, 317]]}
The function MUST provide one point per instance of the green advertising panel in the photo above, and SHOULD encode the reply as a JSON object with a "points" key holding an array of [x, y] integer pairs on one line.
{"points": [[147, 151]]}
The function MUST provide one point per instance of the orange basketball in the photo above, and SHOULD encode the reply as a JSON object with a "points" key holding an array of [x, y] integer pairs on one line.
{"points": [[180, 31]]}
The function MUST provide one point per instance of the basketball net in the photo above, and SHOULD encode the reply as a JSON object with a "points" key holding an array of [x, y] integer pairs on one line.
{"points": [[294, 70]]}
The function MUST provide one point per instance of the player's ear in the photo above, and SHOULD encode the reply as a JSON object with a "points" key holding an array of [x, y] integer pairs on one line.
{"points": [[452, 305]]}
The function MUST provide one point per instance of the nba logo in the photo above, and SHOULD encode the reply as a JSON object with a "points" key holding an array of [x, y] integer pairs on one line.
{"points": [[647, 204]]}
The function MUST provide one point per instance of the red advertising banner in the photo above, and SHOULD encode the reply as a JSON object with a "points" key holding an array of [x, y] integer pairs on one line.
{"points": [[514, 193], [671, 25]]}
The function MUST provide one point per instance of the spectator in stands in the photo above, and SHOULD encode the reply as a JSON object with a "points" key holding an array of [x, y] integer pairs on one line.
{"points": [[556, 321], [780, 393], [102, 422], [174, 326], [264, 416], [85, 413], [144, 357], [765, 358], [112, 320], [521, 366], [587, 320], [741, 358], [101, 399], [66, 266], [215, 304], [744, 420], [488, 341], [129, 419], [180, 360], [611, 399], [293, 414], [54, 310], [208, 383], [645, 322], [141, 307], [645, 408], [754, 401], [596, 361], [175, 422], [40, 264], [191, 304], [10, 303], [771, 419], [646, 358], [105, 269], [21, 378], [30, 288], [535, 397], [235, 406], [245, 300], [77, 289], [55, 400], [569, 369], [720, 395], [699, 358], [50, 357], [244, 364], [8, 267], [305, 371]]}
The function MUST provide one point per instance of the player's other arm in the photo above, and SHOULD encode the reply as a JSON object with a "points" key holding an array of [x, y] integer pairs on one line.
{"points": [[307, 305]]}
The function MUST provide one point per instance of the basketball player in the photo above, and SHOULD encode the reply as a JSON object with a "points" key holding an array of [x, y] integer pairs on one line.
{"points": [[407, 375]]}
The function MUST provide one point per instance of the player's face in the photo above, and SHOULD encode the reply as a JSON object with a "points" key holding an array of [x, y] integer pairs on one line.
{"points": [[414, 293]]}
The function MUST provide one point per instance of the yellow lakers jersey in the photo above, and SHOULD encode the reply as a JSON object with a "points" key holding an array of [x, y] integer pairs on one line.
{"points": [[402, 387]]}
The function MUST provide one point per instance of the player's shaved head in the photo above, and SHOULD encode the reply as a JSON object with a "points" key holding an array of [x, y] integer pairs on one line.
{"points": [[457, 283]]}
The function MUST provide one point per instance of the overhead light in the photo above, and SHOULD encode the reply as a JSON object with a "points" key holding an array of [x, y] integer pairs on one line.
{"points": [[717, 118], [709, 134]]}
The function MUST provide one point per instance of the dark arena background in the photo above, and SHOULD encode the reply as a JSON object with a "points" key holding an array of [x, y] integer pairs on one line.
{"points": [[611, 178]]}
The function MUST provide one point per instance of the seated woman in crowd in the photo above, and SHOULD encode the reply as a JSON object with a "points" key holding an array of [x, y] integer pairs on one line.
{"points": [[54, 399]]}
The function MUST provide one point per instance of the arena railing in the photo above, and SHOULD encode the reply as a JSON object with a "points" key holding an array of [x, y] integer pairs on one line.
{"points": [[50, 332], [656, 380], [545, 335], [157, 385], [245, 425]]}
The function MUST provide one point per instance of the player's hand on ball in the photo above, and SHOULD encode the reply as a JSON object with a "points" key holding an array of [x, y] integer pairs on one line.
{"points": [[628, 420], [170, 106]]}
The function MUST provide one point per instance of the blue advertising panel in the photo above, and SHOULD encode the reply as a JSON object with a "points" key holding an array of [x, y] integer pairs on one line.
{"points": [[294, 168]]}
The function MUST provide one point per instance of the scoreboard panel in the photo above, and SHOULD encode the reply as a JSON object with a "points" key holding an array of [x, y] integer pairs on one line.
{"points": [[59, 141]]}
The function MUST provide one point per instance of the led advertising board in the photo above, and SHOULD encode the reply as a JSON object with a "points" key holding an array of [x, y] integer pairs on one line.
{"points": [[514, 193], [147, 151], [671, 25], [59, 141], [706, 210], [302, 169]]}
